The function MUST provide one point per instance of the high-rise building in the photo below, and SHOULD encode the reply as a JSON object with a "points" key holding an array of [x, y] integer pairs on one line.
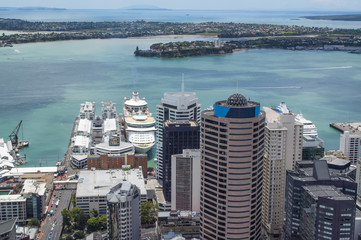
{"points": [[311, 191], [283, 148], [186, 180], [123, 212], [177, 135], [174, 106], [232, 145], [350, 146]]}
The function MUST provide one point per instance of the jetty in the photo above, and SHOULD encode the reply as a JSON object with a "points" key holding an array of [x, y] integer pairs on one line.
{"points": [[352, 127]]}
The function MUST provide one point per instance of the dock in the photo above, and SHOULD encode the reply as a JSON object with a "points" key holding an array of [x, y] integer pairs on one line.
{"points": [[352, 127]]}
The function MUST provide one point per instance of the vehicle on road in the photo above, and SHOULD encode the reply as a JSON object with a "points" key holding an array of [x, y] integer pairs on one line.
{"points": [[51, 213]]}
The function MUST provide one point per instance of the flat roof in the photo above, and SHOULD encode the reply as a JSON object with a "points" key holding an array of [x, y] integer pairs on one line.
{"points": [[12, 198], [34, 170], [84, 125], [328, 191], [7, 226], [110, 124], [99, 182], [81, 141], [32, 186]]}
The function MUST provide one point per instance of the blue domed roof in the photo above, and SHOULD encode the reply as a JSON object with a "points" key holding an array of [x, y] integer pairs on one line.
{"points": [[237, 100]]}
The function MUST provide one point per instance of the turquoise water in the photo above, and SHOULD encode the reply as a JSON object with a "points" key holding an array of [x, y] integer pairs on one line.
{"points": [[44, 84], [238, 16]]}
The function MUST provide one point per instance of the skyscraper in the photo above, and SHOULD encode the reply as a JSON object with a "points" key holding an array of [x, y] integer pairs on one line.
{"points": [[232, 145], [283, 148], [174, 106], [350, 146], [177, 135]]}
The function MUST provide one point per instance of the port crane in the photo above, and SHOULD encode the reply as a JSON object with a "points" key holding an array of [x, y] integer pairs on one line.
{"points": [[14, 138]]}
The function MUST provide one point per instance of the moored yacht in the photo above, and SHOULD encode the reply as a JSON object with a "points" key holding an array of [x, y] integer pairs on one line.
{"points": [[139, 123]]}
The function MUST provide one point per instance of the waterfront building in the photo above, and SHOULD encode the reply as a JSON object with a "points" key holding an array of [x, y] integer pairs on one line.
{"points": [[109, 110], [183, 224], [177, 135], [84, 128], [8, 229], [113, 145], [5, 157], [232, 145], [350, 146], [94, 186], [303, 204], [107, 161], [174, 106], [87, 111], [313, 148], [13, 207], [110, 127], [35, 194], [123, 212], [80, 147], [186, 180], [283, 148]]}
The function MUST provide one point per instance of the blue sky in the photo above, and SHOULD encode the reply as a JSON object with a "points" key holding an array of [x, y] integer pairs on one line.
{"points": [[333, 5]]}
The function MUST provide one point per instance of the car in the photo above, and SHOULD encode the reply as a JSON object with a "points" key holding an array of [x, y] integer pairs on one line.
{"points": [[54, 219]]}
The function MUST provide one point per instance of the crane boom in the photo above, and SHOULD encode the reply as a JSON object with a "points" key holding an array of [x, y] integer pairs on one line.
{"points": [[14, 135]]}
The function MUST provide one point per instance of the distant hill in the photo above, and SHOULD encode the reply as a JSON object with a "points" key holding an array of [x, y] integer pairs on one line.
{"points": [[40, 8], [350, 17]]}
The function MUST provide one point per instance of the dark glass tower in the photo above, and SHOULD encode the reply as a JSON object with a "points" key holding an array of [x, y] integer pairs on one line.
{"points": [[177, 135]]}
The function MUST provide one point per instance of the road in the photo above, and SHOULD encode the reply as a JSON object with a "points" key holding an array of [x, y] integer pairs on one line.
{"points": [[52, 228]]}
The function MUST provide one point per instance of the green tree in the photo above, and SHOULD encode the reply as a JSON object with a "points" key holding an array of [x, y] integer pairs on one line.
{"points": [[73, 199], [79, 235], [34, 222], [93, 224], [79, 218], [94, 212], [103, 222], [69, 238], [66, 217], [148, 212]]}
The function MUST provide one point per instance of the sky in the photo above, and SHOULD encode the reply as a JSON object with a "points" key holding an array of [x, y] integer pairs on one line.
{"points": [[325, 5]]}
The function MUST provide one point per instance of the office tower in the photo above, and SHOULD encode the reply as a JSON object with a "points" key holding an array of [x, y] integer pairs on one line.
{"points": [[186, 180], [232, 145], [283, 148], [350, 146], [123, 212], [13, 207], [312, 148], [311, 192], [177, 135], [174, 106]]}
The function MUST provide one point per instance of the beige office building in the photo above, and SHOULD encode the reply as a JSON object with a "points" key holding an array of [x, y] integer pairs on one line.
{"points": [[232, 149], [283, 148]]}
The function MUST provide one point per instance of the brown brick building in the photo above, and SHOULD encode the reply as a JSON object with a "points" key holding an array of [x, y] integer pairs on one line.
{"points": [[117, 161]]}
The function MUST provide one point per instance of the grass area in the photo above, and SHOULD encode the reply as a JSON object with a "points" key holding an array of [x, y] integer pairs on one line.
{"points": [[208, 34]]}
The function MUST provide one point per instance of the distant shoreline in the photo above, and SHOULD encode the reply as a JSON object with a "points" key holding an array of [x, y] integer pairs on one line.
{"points": [[349, 17]]}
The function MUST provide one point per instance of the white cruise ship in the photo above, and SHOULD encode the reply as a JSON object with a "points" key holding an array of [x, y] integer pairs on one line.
{"points": [[138, 123], [309, 129]]}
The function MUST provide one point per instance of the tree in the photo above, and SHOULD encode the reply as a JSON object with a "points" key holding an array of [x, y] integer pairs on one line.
{"points": [[34, 222], [94, 212], [73, 199], [66, 217], [148, 212], [93, 224], [79, 218], [103, 222], [79, 235], [69, 238]]}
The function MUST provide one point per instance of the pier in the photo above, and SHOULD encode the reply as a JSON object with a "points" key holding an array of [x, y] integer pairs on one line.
{"points": [[354, 128]]}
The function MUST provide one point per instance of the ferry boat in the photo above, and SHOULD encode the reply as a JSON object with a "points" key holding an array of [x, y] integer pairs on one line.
{"points": [[309, 129], [138, 123]]}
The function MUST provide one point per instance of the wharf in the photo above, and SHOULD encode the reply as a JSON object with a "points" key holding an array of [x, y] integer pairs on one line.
{"points": [[354, 127]]}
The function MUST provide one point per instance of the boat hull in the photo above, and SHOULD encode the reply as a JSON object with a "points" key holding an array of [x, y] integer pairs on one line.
{"points": [[143, 148]]}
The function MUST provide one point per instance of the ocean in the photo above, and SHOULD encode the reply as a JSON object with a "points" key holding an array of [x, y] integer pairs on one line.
{"points": [[44, 84]]}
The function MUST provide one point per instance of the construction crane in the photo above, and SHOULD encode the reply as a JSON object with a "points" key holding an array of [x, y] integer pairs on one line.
{"points": [[14, 135]]}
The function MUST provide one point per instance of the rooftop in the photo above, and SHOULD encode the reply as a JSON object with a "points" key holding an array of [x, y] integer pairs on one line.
{"points": [[7, 226], [99, 182], [12, 198], [328, 191], [84, 125], [81, 141], [110, 124], [180, 123], [32, 186]]}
